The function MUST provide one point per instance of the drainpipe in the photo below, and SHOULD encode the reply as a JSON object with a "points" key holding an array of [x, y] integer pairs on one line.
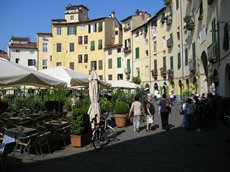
{"points": [[150, 56]]}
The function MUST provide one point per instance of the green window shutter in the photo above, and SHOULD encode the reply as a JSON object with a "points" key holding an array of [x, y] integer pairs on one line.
{"points": [[186, 56], [89, 28], [194, 54], [177, 4], [95, 25], [75, 30], [128, 65], [137, 53], [213, 29], [100, 44], [119, 62], [171, 62], [178, 61], [67, 30], [226, 37], [201, 7], [155, 64], [164, 62]]}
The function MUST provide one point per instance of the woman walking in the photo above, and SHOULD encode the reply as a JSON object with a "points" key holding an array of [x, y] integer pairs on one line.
{"points": [[164, 110], [150, 110], [136, 110]]}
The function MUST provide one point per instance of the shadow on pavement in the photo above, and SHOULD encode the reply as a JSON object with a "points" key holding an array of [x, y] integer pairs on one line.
{"points": [[176, 150]]}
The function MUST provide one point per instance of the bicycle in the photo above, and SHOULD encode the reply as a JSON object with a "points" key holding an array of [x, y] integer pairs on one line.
{"points": [[104, 133]]}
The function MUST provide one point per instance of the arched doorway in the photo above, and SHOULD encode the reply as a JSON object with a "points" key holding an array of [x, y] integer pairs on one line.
{"points": [[216, 81], [227, 80], [204, 70]]}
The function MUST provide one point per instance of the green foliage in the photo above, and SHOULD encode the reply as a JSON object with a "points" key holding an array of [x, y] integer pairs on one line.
{"points": [[105, 105], [142, 94], [80, 123], [121, 107], [186, 94], [187, 18], [136, 80]]}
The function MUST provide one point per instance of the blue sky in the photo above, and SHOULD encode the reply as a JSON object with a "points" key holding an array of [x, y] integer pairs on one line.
{"points": [[25, 18]]}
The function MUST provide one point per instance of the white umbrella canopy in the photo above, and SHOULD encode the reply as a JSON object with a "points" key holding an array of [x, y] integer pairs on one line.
{"points": [[94, 109], [73, 78], [12, 74], [124, 84]]}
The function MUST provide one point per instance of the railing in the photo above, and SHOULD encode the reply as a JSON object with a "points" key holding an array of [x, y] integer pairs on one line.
{"points": [[212, 52], [163, 71], [192, 65], [127, 49], [154, 72], [209, 2], [170, 42]]}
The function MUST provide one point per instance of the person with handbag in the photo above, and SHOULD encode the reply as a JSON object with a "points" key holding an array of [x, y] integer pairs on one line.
{"points": [[149, 110], [135, 112], [164, 110]]}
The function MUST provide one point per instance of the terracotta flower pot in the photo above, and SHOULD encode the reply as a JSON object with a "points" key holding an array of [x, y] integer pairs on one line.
{"points": [[80, 140], [120, 120]]}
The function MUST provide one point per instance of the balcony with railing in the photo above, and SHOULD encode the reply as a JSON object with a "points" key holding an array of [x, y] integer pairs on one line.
{"points": [[163, 71], [170, 42], [209, 2], [127, 49], [192, 65], [212, 52], [154, 73]]}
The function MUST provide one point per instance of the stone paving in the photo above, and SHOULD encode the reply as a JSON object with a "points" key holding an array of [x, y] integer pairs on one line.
{"points": [[175, 150]]}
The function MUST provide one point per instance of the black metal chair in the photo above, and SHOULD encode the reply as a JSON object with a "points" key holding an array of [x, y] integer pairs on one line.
{"points": [[25, 143], [62, 133], [42, 140]]}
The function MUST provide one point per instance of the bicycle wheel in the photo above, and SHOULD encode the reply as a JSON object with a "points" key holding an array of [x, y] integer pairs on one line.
{"points": [[110, 134], [96, 139]]}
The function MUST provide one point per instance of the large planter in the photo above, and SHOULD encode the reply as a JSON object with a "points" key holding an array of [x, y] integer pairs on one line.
{"points": [[120, 120], [80, 140]]}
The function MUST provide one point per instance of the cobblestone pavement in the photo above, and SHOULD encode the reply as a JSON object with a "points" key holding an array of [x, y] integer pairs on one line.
{"points": [[175, 150]]}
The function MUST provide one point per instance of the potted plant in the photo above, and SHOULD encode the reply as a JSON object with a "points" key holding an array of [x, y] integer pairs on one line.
{"points": [[80, 127], [105, 105], [120, 113]]}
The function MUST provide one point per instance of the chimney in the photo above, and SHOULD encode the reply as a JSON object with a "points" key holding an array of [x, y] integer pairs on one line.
{"points": [[113, 14]]}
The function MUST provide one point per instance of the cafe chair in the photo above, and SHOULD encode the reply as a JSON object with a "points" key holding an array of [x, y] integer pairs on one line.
{"points": [[9, 126], [25, 143], [62, 133], [27, 123], [43, 140]]}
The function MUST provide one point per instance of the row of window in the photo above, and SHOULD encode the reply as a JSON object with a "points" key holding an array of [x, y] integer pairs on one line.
{"points": [[72, 45], [72, 30]]}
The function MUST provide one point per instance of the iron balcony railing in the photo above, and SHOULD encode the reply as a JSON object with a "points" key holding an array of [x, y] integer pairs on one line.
{"points": [[192, 65], [212, 52]]}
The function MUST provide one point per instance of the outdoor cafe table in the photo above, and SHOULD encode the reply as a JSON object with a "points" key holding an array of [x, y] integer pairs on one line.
{"points": [[12, 134], [56, 124], [18, 119], [20, 132]]}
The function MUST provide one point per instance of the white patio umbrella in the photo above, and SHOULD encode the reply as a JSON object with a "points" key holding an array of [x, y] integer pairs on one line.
{"points": [[94, 109], [12, 74], [124, 84], [73, 78]]}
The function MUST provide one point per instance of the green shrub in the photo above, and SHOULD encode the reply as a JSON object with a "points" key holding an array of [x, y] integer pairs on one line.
{"points": [[121, 107], [105, 105]]}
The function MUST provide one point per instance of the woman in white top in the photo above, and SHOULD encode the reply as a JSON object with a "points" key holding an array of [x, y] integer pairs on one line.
{"points": [[136, 110]]}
